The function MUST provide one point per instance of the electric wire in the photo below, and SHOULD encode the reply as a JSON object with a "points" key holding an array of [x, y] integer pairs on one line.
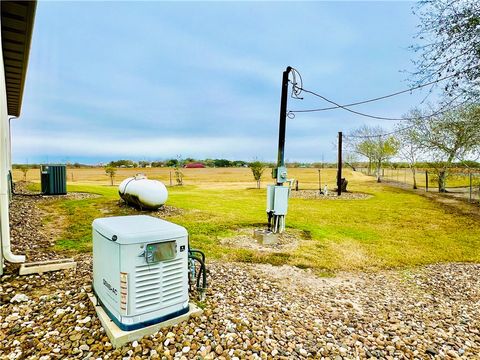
{"points": [[379, 135], [384, 96], [439, 112], [398, 130]]}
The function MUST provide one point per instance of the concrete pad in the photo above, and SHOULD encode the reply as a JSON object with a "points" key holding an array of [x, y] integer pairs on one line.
{"points": [[265, 237], [41, 267], [119, 337]]}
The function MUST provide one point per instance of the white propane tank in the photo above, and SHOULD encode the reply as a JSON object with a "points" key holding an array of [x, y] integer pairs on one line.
{"points": [[143, 193]]}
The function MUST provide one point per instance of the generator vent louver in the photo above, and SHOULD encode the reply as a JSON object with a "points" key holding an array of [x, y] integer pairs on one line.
{"points": [[172, 280], [158, 282], [148, 284]]}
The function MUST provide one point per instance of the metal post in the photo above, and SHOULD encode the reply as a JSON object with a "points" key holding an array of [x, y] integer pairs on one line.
{"points": [[283, 120], [319, 181], [171, 178], [470, 175], [426, 180], [339, 170]]}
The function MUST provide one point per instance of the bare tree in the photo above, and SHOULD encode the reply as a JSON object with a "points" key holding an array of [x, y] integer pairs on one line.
{"points": [[448, 44], [350, 159], [409, 150], [369, 142]]}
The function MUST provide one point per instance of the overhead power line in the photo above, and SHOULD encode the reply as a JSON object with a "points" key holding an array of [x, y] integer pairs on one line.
{"points": [[337, 106], [439, 112], [380, 135], [397, 130]]}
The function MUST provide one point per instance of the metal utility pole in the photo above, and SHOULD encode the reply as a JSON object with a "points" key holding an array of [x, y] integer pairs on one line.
{"points": [[339, 170], [283, 124], [277, 195]]}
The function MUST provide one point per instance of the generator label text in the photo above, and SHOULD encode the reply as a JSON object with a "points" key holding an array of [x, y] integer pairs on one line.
{"points": [[110, 287]]}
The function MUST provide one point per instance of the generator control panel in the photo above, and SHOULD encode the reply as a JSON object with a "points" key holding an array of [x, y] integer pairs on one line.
{"points": [[161, 251]]}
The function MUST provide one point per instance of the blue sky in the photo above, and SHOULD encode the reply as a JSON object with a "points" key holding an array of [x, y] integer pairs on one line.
{"points": [[153, 80]]}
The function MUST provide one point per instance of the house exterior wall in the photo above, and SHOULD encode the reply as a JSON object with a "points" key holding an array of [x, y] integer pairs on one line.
{"points": [[4, 133]]}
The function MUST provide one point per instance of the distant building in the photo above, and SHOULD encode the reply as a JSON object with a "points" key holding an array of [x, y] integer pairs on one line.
{"points": [[194, 165]]}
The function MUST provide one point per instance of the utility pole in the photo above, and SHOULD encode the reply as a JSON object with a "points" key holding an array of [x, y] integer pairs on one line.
{"points": [[339, 170], [277, 195], [282, 126]]}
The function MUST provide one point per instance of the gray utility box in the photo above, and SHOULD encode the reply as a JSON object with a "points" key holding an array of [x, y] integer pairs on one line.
{"points": [[277, 199], [140, 269], [54, 179]]}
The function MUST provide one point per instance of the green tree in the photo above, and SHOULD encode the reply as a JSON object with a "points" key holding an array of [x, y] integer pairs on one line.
{"points": [[257, 168], [385, 148], [24, 169], [446, 138], [171, 162], [222, 163], [110, 171], [178, 176]]}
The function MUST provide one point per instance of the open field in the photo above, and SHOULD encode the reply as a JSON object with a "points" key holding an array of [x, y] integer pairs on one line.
{"points": [[209, 177], [392, 228]]}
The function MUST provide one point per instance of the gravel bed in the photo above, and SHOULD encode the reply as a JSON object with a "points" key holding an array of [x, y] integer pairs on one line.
{"points": [[162, 212], [255, 311], [21, 190], [314, 194]]}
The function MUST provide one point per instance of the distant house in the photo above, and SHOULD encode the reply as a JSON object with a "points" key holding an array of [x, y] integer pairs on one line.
{"points": [[194, 165]]}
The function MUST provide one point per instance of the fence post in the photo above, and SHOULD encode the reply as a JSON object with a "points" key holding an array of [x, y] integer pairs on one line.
{"points": [[319, 181], [426, 180], [470, 176], [171, 178]]}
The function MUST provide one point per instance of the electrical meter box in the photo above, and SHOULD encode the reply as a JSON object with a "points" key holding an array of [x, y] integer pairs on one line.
{"points": [[140, 269], [277, 199]]}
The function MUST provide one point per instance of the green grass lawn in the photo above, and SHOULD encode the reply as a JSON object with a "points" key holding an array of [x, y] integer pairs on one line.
{"points": [[394, 228]]}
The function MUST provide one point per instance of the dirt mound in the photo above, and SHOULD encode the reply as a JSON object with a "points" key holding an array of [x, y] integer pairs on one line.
{"points": [[289, 240]]}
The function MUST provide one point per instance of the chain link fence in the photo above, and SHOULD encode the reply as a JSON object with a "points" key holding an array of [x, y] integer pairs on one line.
{"points": [[460, 183]]}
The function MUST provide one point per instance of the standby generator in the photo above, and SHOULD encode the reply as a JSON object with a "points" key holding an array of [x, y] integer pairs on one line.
{"points": [[140, 269]]}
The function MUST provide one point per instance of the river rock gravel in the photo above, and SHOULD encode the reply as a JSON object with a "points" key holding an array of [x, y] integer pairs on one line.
{"points": [[252, 312]]}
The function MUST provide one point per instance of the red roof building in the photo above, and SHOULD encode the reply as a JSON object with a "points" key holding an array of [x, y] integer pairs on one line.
{"points": [[194, 166]]}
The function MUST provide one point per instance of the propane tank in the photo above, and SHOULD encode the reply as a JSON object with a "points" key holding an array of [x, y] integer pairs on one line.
{"points": [[143, 193]]}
